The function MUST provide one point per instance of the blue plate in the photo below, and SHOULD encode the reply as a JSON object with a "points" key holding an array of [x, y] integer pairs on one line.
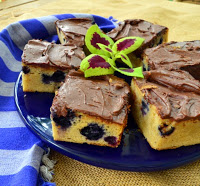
{"points": [[134, 153]]}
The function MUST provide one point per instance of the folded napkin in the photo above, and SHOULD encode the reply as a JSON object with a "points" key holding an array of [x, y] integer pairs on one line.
{"points": [[20, 150]]}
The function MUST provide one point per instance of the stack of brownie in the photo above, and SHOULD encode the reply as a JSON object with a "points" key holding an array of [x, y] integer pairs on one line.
{"points": [[166, 104]]}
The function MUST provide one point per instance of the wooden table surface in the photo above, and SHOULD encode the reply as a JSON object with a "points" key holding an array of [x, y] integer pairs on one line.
{"points": [[10, 10]]}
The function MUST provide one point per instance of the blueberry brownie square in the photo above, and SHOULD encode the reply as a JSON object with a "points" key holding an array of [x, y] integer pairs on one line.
{"points": [[44, 65], [167, 102], [167, 108], [92, 110], [73, 30]]}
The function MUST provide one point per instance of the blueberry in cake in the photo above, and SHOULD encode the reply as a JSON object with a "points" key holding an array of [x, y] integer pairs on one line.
{"points": [[152, 33], [92, 110], [167, 102], [45, 64]]}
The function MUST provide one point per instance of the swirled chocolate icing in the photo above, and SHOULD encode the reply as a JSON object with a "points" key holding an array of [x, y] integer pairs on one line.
{"points": [[139, 28], [105, 97], [50, 54], [179, 80], [171, 103], [171, 84], [74, 29], [176, 55]]}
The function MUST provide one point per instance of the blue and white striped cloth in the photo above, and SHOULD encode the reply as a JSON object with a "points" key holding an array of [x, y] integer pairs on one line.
{"points": [[20, 150]]}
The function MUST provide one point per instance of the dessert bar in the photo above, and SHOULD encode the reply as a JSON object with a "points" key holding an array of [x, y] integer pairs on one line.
{"points": [[73, 30], [92, 110], [45, 64], [167, 102]]}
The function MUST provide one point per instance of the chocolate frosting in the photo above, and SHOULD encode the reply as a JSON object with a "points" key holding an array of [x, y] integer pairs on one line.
{"points": [[171, 103], [74, 29], [179, 80], [175, 55], [105, 97], [50, 54], [173, 82], [139, 28]]}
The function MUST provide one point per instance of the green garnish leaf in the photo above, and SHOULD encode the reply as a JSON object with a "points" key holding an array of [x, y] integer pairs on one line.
{"points": [[125, 59], [93, 36], [105, 52], [137, 72], [96, 65], [108, 51], [127, 45]]}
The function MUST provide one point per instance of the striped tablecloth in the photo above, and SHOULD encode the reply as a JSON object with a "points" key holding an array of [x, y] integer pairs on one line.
{"points": [[20, 150]]}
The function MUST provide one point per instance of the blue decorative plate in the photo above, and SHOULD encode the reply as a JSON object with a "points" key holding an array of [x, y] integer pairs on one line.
{"points": [[134, 153]]}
